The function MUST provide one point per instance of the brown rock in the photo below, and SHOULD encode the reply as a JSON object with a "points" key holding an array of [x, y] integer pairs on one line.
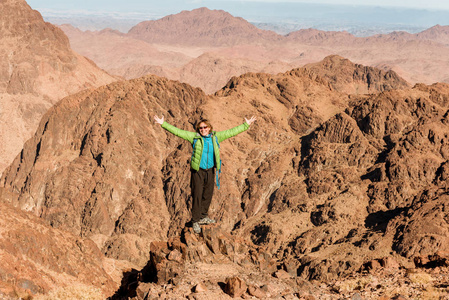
{"points": [[361, 79], [200, 288], [389, 263], [142, 215], [439, 259], [257, 292], [235, 287], [372, 266], [270, 290], [144, 290], [291, 267], [281, 274], [37, 258], [175, 255], [428, 220]]}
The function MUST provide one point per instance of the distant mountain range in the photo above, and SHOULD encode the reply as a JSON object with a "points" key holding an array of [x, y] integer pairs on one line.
{"points": [[205, 48], [282, 18]]}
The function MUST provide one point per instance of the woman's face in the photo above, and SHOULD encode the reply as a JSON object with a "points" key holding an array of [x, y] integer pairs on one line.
{"points": [[204, 129]]}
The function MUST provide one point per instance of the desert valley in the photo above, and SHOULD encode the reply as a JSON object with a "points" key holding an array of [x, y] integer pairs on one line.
{"points": [[339, 190]]}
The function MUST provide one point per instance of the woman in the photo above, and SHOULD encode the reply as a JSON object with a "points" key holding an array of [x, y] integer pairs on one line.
{"points": [[204, 163]]}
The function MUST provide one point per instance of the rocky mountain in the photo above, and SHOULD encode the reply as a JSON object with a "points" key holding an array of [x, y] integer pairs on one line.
{"points": [[360, 179], [317, 37], [201, 27], [356, 79], [436, 33], [37, 258], [37, 68]]}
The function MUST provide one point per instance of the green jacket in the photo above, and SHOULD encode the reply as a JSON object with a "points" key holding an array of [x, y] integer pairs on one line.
{"points": [[217, 138]]}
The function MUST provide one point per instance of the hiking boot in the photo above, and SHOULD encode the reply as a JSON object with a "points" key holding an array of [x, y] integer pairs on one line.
{"points": [[206, 220], [196, 228]]}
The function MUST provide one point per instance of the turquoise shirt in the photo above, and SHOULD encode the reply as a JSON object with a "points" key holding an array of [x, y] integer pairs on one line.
{"points": [[218, 137], [207, 157]]}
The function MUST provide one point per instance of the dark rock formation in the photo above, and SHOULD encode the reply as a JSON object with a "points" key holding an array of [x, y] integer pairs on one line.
{"points": [[319, 197]]}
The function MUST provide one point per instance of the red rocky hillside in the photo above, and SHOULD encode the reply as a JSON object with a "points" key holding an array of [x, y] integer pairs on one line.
{"points": [[37, 68], [358, 177]]}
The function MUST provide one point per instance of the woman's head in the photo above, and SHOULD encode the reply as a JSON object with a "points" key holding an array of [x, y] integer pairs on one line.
{"points": [[204, 127]]}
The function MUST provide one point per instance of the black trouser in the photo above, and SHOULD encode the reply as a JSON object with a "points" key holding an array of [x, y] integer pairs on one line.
{"points": [[202, 185]]}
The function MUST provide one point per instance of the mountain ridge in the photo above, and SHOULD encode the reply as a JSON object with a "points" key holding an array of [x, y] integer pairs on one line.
{"points": [[37, 68], [200, 27], [190, 56]]}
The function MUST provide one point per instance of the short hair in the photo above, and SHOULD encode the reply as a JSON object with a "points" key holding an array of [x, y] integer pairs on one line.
{"points": [[205, 122]]}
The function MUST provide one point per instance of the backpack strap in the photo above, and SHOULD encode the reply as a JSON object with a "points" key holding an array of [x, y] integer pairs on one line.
{"points": [[217, 180]]}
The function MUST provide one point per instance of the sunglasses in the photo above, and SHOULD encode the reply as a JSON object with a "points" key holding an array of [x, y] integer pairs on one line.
{"points": [[204, 127]]}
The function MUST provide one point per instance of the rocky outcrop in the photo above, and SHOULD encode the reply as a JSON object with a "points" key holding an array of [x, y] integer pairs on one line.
{"points": [[217, 265], [37, 59], [353, 182], [383, 164], [37, 258], [346, 77], [106, 183], [222, 264], [37, 69]]}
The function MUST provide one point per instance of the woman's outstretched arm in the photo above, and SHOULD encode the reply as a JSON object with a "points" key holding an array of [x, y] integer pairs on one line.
{"points": [[184, 134], [223, 135]]}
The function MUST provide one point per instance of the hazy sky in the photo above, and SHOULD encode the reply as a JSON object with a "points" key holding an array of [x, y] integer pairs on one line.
{"points": [[354, 16], [430, 4], [111, 5]]}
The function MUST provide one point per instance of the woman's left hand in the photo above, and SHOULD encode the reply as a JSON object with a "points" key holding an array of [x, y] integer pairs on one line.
{"points": [[250, 121]]}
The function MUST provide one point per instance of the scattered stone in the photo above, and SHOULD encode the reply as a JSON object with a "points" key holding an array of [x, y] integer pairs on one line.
{"points": [[270, 290], [235, 287], [372, 266], [291, 267], [281, 274], [257, 292], [144, 290], [175, 255], [200, 288], [356, 296], [389, 263]]}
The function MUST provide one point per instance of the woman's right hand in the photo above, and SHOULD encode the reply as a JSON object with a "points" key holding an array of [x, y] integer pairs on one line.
{"points": [[159, 120]]}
